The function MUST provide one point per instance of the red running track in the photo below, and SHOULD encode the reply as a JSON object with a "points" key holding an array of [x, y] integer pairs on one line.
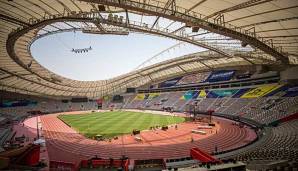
{"points": [[65, 144]]}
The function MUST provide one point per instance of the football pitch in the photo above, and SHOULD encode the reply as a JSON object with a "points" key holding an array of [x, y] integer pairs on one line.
{"points": [[110, 124]]}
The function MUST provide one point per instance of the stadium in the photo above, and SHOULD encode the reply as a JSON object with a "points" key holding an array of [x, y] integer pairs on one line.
{"points": [[149, 85]]}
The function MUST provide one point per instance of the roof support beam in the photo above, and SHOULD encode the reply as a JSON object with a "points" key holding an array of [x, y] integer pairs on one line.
{"points": [[21, 8], [196, 5], [32, 81], [285, 43], [243, 5], [127, 17], [191, 8], [269, 21], [150, 77], [293, 54], [9, 76], [14, 20], [182, 69], [200, 34], [266, 12], [169, 2], [25, 90], [49, 6], [272, 30], [198, 21], [158, 54], [98, 25], [280, 36], [202, 62], [175, 31]]}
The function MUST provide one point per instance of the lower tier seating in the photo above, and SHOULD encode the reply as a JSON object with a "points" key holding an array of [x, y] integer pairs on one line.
{"points": [[279, 143]]}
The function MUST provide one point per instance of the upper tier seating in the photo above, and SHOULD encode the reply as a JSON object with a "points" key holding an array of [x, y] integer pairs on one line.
{"points": [[193, 78]]}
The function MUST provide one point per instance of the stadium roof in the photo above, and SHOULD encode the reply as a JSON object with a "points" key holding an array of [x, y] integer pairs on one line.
{"points": [[233, 32]]}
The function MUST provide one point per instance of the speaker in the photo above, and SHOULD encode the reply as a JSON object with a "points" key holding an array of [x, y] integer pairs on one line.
{"points": [[101, 8], [244, 44], [195, 29]]}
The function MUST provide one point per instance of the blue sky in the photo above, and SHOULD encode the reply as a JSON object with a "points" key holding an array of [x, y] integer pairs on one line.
{"points": [[111, 56]]}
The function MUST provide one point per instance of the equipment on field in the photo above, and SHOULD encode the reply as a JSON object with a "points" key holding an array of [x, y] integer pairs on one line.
{"points": [[137, 138], [135, 132], [198, 132], [99, 137], [164, 128]]}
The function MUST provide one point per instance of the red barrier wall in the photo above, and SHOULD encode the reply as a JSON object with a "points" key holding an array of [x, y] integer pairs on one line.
{"points": [[198, 154], [289, 118], [32, 159], [104, 162]]}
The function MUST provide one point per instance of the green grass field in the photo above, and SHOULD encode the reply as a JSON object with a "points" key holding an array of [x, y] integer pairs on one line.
{"points": [[110, 124]]}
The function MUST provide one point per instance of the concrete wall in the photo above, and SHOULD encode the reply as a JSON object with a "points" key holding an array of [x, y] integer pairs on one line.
{"points": [[289, 75]]}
